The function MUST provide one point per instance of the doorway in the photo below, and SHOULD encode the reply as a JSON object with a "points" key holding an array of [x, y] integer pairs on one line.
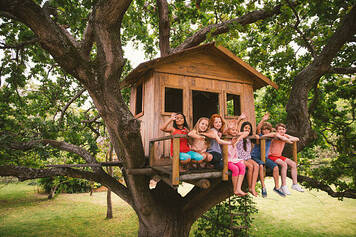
{"points": [[204, 104]]}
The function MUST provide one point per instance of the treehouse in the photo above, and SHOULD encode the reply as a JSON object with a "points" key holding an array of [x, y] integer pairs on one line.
{"points": [[199, 82]]}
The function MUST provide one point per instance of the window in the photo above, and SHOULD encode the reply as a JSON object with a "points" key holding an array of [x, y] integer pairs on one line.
{"points": [[173, 100], [233, 105], [204, 104], [139, 99]]}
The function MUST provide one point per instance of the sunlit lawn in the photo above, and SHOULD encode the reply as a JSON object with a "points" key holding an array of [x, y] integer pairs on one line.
{"points": [[24, 212]]}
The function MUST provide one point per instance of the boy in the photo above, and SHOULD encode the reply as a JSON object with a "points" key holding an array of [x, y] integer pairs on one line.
{"points": [[275, 154], [265, 129]]}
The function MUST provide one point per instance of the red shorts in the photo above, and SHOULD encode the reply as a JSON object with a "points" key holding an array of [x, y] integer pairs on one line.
{"points": [[274, 158]]}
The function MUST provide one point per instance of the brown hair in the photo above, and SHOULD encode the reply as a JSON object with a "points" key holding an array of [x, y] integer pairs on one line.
{"points": [[212, 119], [280, 125], [266, 125]]}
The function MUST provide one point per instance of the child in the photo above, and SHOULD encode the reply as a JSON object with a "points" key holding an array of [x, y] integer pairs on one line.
{"points": [[244, 150], [198, 141], [264, 129], [216, 125], [180, 126], [235, 164], [275, 154]]}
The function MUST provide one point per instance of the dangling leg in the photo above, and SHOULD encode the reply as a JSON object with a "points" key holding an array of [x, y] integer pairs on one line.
{"points": [[240, 179]]}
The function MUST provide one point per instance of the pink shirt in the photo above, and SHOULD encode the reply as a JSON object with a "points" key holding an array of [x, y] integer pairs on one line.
{"points": [[232, 154], [276, 148]]}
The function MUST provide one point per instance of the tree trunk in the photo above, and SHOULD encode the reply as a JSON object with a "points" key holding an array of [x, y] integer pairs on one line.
{"points": [[170, 225], [109, 205]]}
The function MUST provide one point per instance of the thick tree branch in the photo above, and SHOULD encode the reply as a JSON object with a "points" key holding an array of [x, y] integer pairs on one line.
{"points": [[25, 173], [164, 27], [224, 27], [297, 107], [51, 36], [107, 20], [343, 70], [312, 183], [57, 144]]}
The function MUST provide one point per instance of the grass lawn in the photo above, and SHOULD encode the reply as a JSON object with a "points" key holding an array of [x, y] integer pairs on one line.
{"points": [[24, 212]]}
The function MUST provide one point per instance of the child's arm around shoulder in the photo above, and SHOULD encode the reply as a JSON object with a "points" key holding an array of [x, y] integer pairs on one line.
{"points": [[193, 134], [291, 138], [283, 138]]}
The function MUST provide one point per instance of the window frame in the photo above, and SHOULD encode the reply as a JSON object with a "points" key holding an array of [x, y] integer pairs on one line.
{"points": [[163, 91], [225, 105], [138, 115]]}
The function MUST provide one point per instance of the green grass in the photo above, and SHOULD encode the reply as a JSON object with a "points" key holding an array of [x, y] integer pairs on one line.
{"points": [[24, 212]]}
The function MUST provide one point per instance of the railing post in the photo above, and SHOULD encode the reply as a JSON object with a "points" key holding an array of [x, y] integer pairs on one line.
{"points": [[263, 150], [225, 154], [175, 163], [263, 155], [151, 153], [295, 152]]}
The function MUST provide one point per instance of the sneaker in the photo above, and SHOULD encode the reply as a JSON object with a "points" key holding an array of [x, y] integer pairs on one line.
{"points": [[297, 187], [264, 192], [285, 190], [279, 192]]}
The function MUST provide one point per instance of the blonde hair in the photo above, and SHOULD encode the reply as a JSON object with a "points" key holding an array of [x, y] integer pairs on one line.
{"points": [[196, 126]]}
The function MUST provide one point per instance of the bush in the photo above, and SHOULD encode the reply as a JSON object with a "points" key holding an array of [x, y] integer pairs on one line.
{"points": [[63, 184], [219, 220]]}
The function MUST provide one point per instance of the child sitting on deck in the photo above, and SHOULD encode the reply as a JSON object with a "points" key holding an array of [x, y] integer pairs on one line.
{"points": [[275, 154], [235, 164], [244, 150], [216, 125], [180, 126], [264, 129], [198, 140]]}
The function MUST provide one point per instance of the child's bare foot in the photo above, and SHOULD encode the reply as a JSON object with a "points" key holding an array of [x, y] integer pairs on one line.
{"points": [[253, 192], [240, 193], [202, 165]]}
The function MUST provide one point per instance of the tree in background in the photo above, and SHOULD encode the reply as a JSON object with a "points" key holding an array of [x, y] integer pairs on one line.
{"points": [[62, 62]]}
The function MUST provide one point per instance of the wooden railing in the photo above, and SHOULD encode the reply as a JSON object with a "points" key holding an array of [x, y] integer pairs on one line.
{"points": [[176, 148]]}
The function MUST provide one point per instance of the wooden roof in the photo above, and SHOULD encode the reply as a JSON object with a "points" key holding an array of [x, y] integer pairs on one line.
{"points": [[259, 80]]}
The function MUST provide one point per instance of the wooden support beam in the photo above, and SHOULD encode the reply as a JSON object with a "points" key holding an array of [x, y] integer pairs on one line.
{"points": [[151, 153], [208, 175], [168, 137], [86, 165], [295, 152], [201, 183], [140, 171], [225, 155], [175, 162]]}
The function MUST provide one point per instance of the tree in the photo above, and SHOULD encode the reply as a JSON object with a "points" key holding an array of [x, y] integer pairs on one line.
{"points": [[80, 44]]}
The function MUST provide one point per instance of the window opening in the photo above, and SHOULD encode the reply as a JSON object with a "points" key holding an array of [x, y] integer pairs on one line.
{"points": [[173, 100], [139, 99], [204, 104], [233, 105]]}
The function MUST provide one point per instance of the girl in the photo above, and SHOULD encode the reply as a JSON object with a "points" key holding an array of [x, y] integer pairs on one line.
{"points": [[198, 142], [216, 125], [235, 164], [180, 126], [243, 151]]}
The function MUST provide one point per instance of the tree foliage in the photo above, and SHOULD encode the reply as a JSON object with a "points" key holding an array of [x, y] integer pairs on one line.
{"points": [[62, 62]]}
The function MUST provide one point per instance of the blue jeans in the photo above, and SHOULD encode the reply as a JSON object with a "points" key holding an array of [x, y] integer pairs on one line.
{"points": [[190, 155]]}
